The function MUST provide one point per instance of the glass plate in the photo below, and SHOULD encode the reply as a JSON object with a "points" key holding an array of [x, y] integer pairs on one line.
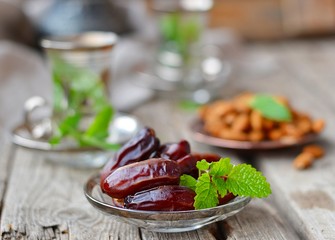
{"points": [[122, 128], [161, 221], [200, 135]]}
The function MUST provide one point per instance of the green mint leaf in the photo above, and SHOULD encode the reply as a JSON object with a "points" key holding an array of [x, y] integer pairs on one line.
{"points": [[95, 142], [188, 181], [99, 126], [207, 195], [58, 93], [270, 108], [203, 165], [189, 105], [98, 96], [218, 178], [65, 128], [189, 31], [169, 25], [244, 180], [220, 185], [69, 123], [54, 140], [220, 168]]}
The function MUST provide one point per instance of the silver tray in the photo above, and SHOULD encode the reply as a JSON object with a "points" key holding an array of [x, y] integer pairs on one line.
{"points": [[122, 128]]}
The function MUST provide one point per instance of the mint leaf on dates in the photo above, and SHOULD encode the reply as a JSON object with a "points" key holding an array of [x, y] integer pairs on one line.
{"points": [[203, 165], [207, 195], [217, 179], [245, 180], [188, 181], [220, 168]]}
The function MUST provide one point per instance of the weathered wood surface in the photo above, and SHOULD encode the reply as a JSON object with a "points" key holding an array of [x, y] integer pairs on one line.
{"points": [[42, 200]]}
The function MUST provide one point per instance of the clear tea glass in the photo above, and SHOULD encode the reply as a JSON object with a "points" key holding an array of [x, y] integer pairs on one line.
{"points": [[81, 71], [181, 26]]}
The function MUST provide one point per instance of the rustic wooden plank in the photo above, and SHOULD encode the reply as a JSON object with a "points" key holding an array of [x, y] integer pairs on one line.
{"points": [[259, 216], [5, 154], [306, 198], [44, 200]]}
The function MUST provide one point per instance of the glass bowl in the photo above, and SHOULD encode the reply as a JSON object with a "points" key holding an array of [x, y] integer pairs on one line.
{"points": [[161, 221]]}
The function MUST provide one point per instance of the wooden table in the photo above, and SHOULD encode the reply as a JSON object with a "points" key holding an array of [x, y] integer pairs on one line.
{"points": [[42, 200]]}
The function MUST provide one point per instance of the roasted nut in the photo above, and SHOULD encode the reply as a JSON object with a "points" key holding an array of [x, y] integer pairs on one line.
{"points": [[304, 125], [241, 123], [236, 120], [315, 150], [318, 125], [275, 134], [256, 120], [268, 124], [256, 136], [230, 118], [303, 160]]}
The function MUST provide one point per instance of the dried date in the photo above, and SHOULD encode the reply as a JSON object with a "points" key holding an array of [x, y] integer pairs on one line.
{"points": [[163, 198], [139, 148], [227, 198], [139, 176], [175, 151], [187, 164], [210, 157]]}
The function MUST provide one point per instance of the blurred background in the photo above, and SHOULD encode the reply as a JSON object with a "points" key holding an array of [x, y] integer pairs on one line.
{"points": [[25, 21]]}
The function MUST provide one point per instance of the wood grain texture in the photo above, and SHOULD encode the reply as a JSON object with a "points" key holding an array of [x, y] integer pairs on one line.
{"points": [[259, 216], [48, 201], [44, 200], [306, 198], [5, 155]]}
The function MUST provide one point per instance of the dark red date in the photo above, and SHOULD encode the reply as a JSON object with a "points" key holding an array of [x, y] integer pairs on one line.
{"points": [[227, 198], [187, 164], [175, 151], [139, 176], [163, 198], [139, 148], [210, 157]]}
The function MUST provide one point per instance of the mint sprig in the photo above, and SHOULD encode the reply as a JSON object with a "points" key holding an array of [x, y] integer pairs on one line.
{"points": [[76, 92], [271, 108], [216, 179]]}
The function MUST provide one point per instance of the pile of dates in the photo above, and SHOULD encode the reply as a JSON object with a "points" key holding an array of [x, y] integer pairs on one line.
{"points": [[145, 175]]}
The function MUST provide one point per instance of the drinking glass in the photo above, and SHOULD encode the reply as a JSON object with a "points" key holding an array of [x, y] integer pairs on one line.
{"points": [[183, 58], [81, 71]]}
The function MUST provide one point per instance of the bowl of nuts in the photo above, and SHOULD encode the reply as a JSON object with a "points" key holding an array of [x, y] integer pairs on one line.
{"points": [[168, 188], [254, 121]]}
